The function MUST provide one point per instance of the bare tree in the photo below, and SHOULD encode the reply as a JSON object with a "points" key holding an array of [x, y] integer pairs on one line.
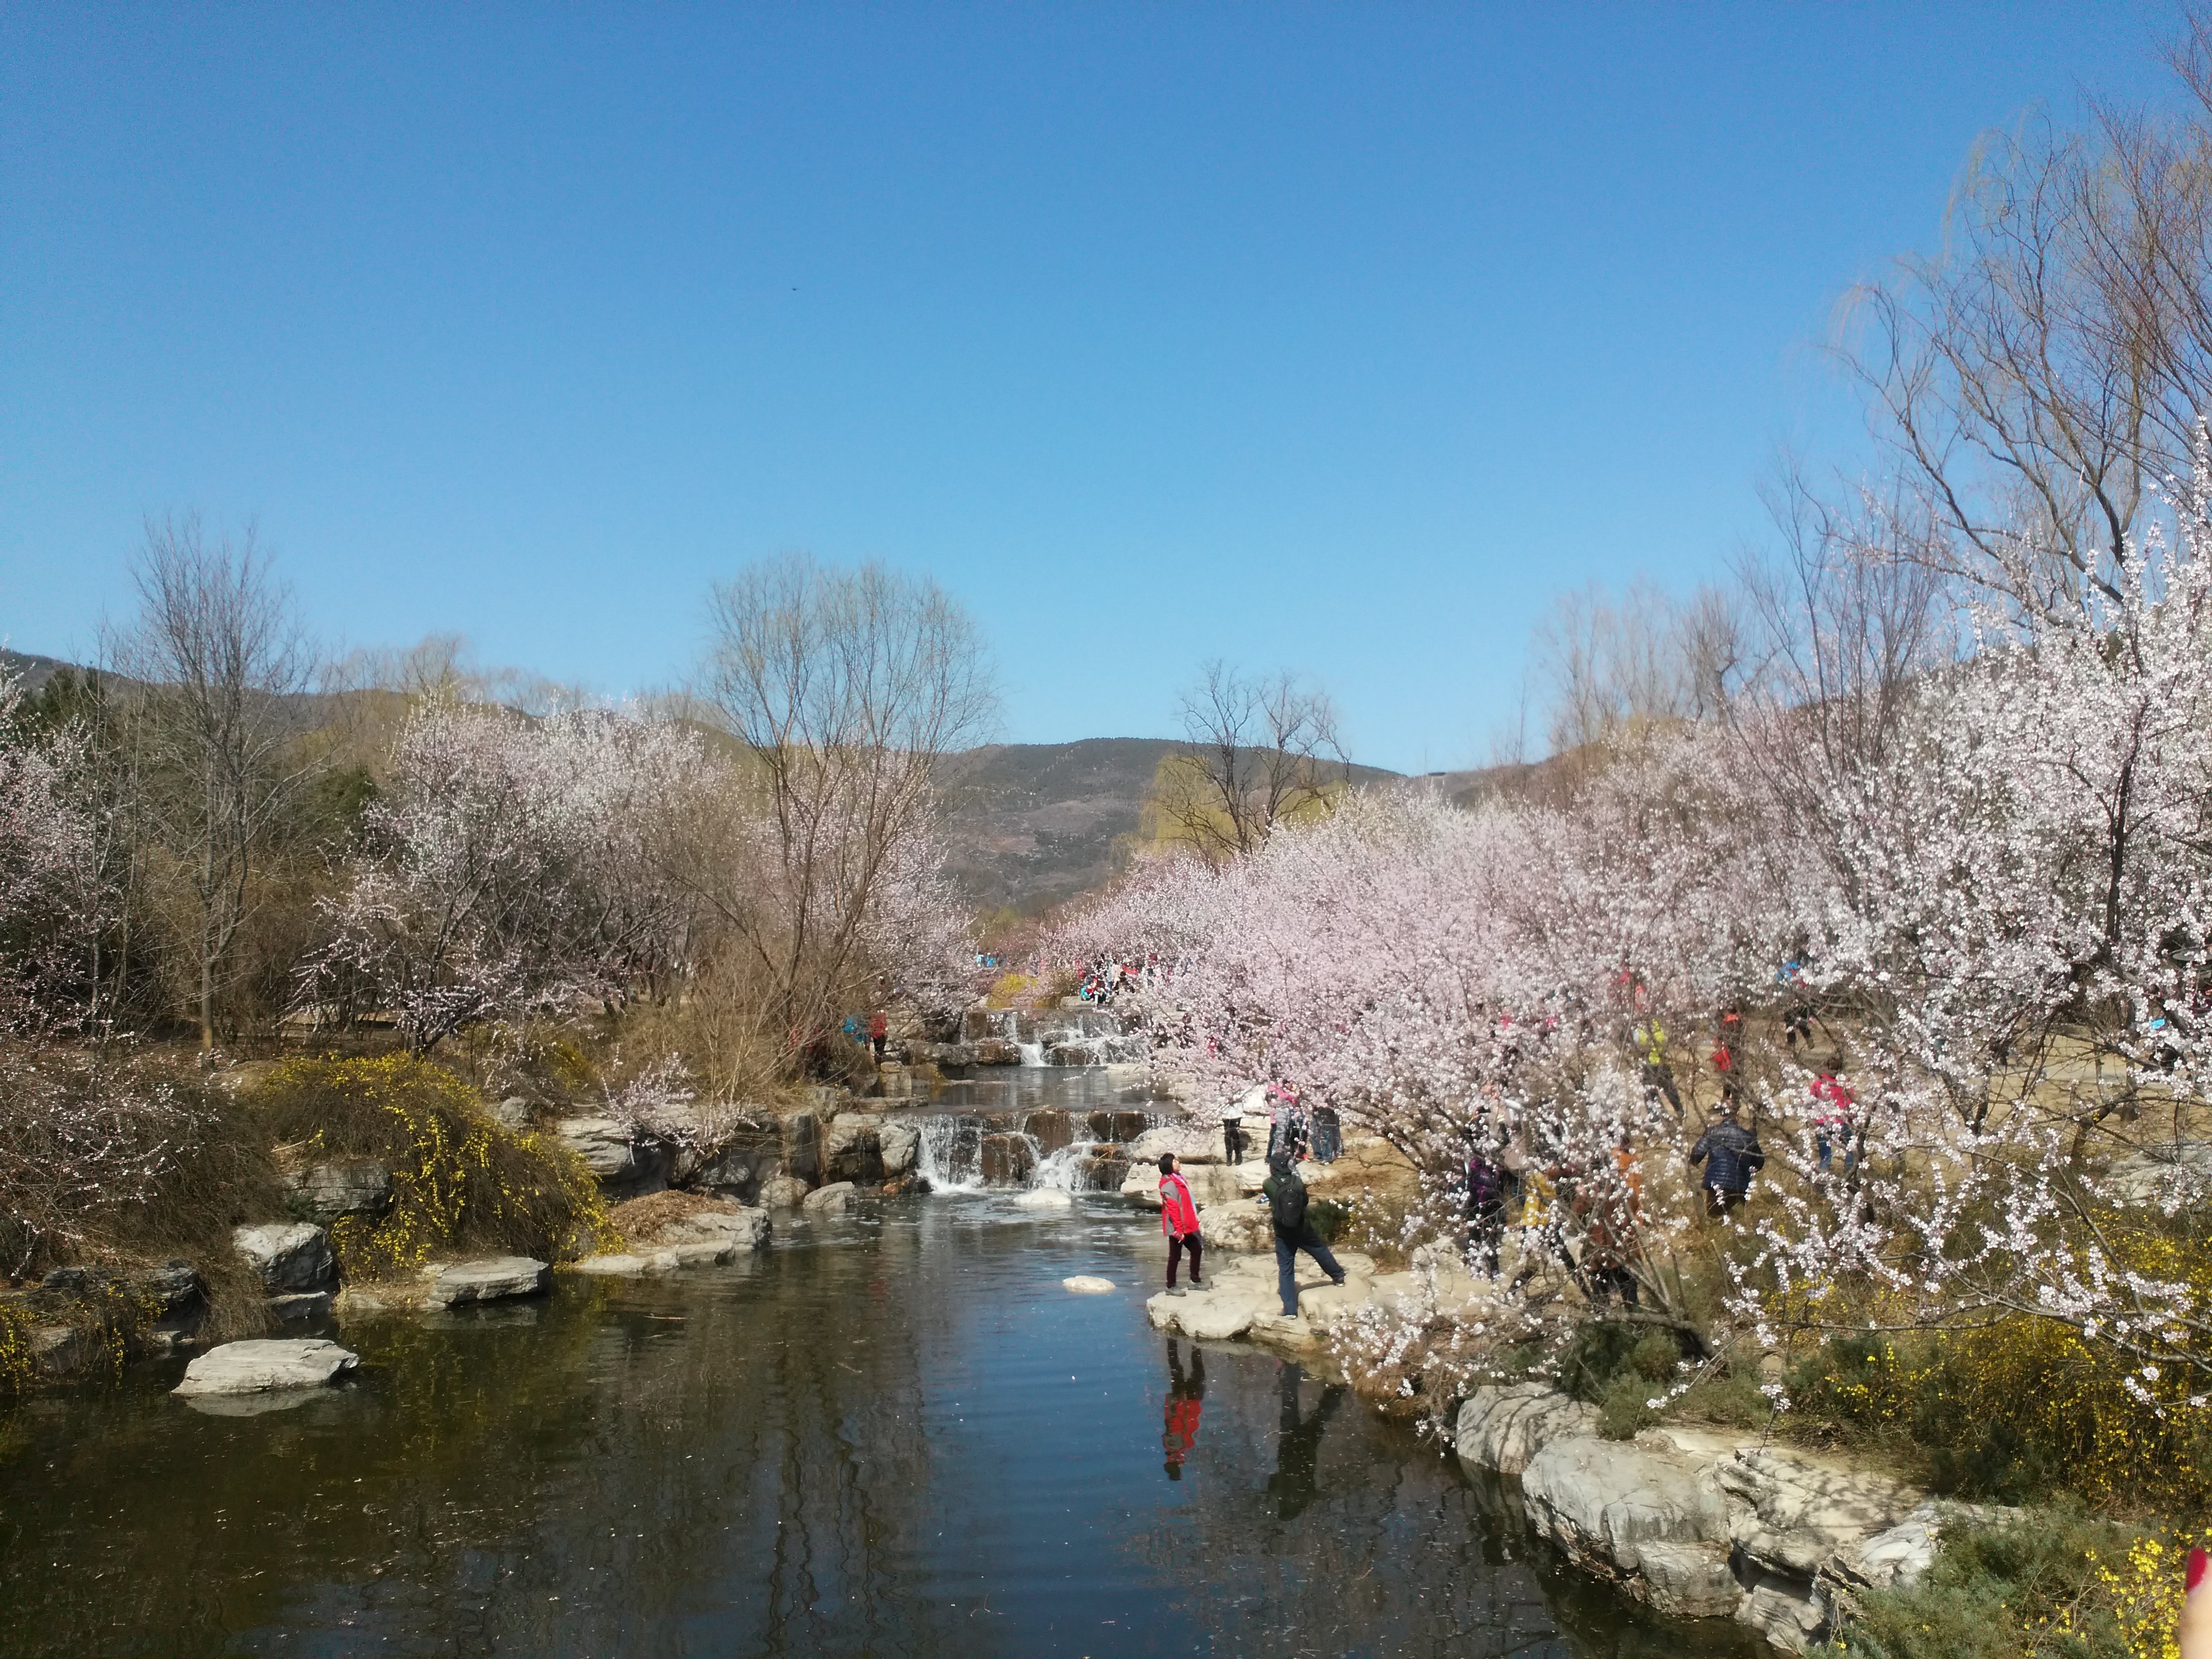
{"points": [[1609, 669], [2033, 382], [217, 663], [844, 687], [1263, 749]]}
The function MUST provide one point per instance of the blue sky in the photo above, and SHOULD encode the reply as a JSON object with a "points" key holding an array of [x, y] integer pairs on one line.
{"points": [[1331, 337]]}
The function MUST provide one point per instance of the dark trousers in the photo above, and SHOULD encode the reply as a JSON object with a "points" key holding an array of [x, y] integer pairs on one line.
{"points": [[1719, 1200], [1177, 1243], [1602, 1282], [1287, 1263], [1233, 1141]]}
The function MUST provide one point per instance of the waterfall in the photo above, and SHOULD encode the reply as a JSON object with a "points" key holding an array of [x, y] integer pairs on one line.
{"points": [[1032, 1053], [949, 1154]]}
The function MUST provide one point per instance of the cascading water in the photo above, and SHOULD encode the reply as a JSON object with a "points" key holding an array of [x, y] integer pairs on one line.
{"points": [[1032, 1053], [948, 1153]]}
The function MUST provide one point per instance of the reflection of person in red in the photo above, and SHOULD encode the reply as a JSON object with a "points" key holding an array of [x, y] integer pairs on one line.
{"points": [[1185, 1391]]}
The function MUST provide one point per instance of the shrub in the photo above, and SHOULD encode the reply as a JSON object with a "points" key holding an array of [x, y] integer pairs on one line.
{"points": [[105, 1161], [459, 1180], [2014, 1410], [2052, 1585]]}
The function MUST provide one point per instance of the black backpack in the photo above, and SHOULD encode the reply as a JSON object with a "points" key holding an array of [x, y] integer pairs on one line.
{"points": [[1290, 1204]]}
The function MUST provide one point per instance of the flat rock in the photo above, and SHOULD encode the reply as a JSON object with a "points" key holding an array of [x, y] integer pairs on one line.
{"points": [[616, 1265], [297, 1306], [1087, 1284], [287, 1256], [492, 1280], [1501, 1427], [265, 1366], [1045, 1198], [834, 1200]]}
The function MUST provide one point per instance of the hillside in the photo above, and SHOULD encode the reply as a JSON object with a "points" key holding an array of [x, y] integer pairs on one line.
{"points": [[1033, 824], [1030, 823]]}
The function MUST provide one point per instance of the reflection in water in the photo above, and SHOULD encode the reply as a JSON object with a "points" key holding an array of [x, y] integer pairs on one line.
{"points": [[890, 1436], [1186, 1392], [1297, 1449]]}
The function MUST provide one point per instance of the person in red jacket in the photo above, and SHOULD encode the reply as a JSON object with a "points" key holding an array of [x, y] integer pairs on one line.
{"points": [[1179, 1221], [880, 1032]]}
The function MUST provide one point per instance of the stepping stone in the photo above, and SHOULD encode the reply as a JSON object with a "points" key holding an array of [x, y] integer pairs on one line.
{"points": [[618, 1266], [1087, 1284], [266, 1366], [492, 1280]]}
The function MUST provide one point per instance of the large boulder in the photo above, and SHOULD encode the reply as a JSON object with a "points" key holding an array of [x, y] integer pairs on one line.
{"points": [[995, 1051], [851, 1150], [287, 1256], [899, 1145], [323, 1192], [1793, 1512], [783, 1192], [627, 1160], [1501, 1428], [742, 1230], [1243, 1226], [1600, 1500], [264, 1367], [492, 1280], [1045, 1198], [834, 1200], [1191, 1143], [1209, 1183]]}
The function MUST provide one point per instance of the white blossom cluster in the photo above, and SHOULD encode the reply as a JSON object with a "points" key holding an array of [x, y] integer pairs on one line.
{"points": [[1993, 923]]}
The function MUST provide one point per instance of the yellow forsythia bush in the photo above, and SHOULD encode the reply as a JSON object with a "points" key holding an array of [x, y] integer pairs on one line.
{"points": [[459, 1179]]}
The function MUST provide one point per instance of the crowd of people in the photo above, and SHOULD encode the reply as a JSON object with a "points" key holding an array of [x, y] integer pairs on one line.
{"points": [[1575, 1199]]}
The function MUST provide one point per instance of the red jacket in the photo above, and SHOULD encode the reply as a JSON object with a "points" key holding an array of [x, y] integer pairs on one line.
{"points": [[1178, 1214]]}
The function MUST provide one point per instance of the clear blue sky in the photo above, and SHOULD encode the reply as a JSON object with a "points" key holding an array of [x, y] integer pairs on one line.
{"points": [[1332, 338]]}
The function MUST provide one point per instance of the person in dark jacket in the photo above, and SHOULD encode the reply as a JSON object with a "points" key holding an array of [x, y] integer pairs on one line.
{"points": [[1484, 1196], [1285, 1193], [1732, 1156]]}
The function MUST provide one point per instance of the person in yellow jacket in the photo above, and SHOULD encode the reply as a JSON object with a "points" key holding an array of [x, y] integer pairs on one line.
{"points": [[1649, 1037]]}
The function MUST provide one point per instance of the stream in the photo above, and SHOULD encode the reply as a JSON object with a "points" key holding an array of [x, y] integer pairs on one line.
{"points": [[893, 1434]]}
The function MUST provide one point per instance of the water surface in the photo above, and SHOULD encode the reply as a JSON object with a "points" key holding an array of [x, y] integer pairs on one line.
{"points": [[895, 1436]]}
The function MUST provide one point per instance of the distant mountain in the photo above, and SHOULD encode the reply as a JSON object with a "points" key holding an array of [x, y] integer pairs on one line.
{"points": [[35, 670], [1029, 824], [1033, 824]]}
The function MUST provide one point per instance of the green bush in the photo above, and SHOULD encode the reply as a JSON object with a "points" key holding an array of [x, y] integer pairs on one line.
{"points": [[2030, 1591]]}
